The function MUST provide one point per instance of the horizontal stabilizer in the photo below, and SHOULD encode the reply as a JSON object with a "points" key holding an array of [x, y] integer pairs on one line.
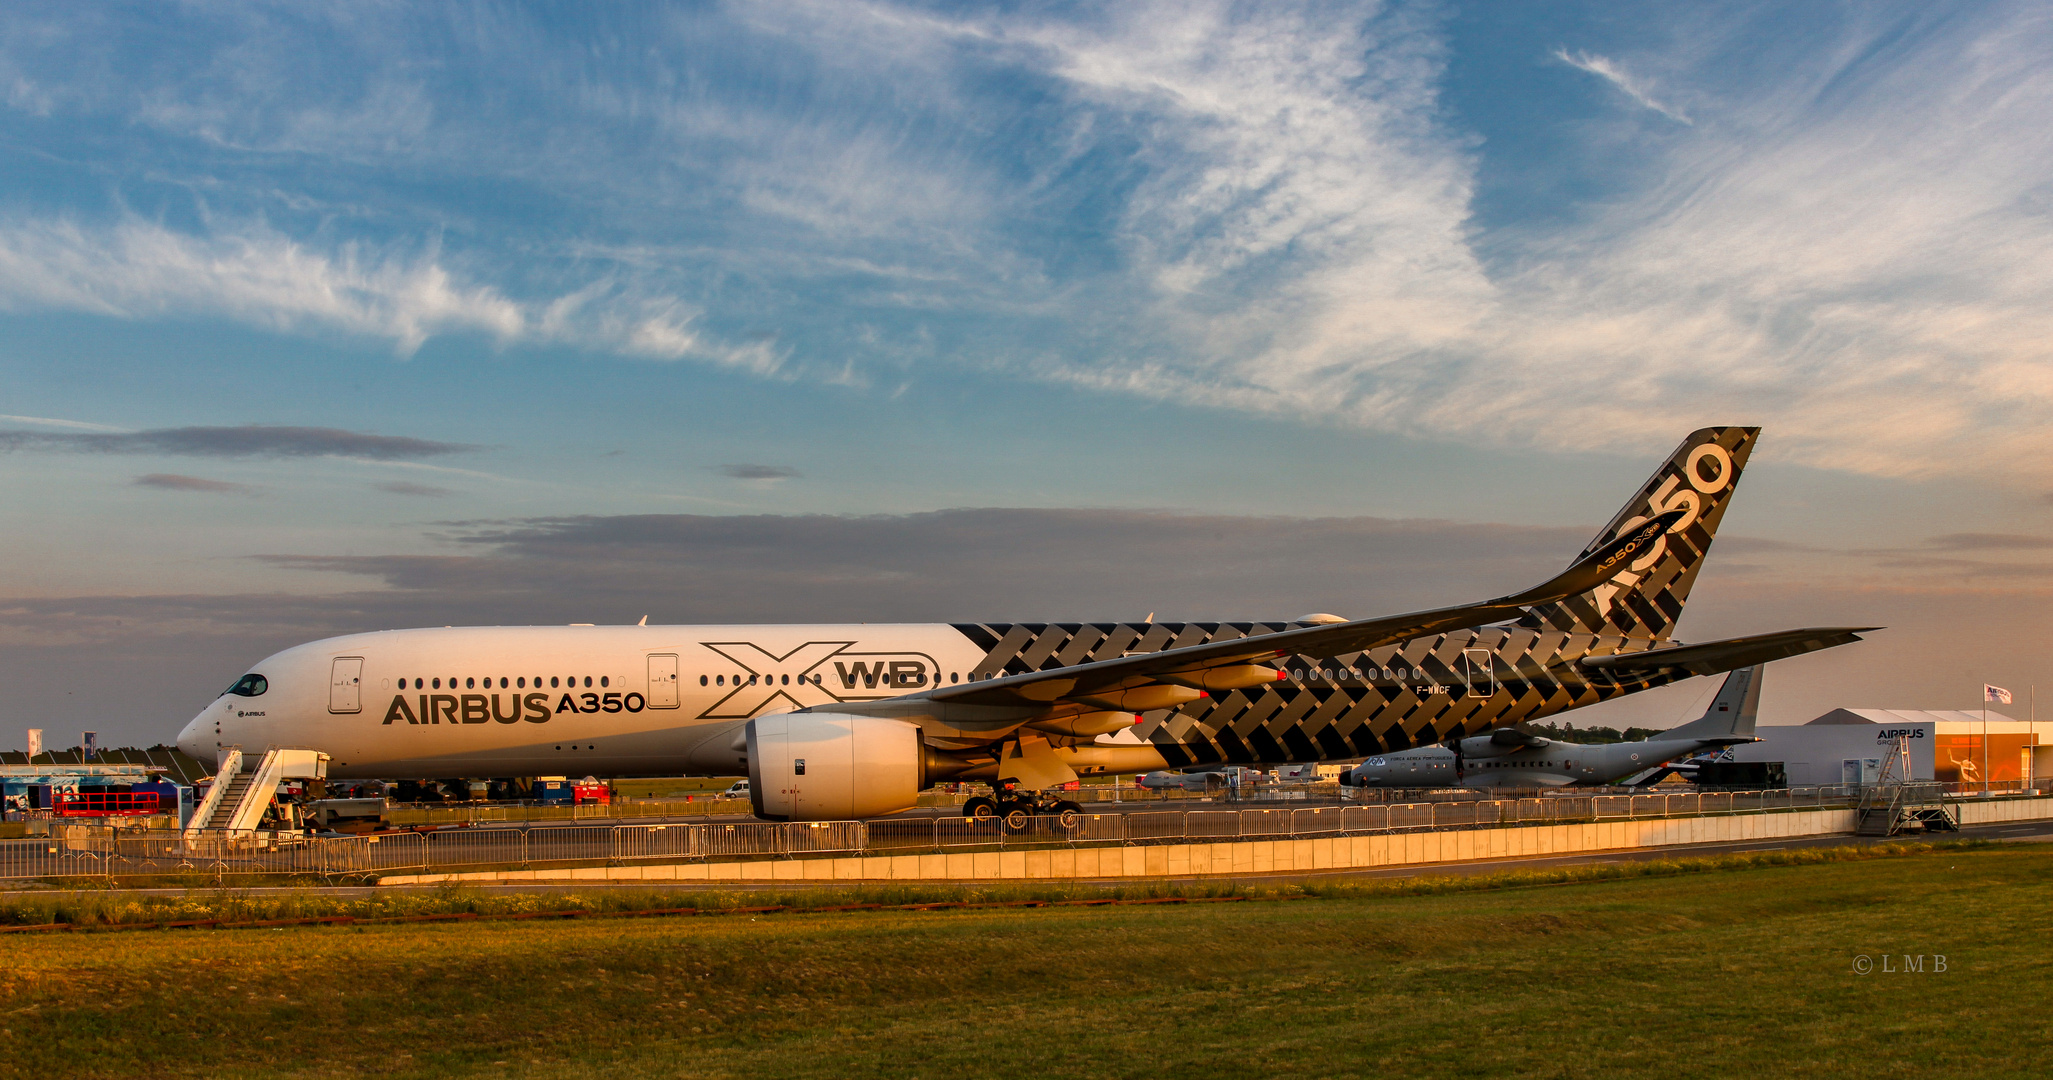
{"points": [[1713, 657]]}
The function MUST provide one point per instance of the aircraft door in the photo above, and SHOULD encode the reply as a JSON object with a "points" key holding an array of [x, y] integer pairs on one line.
{"points": [[1480, 672], [345, 685], [662, 680]]}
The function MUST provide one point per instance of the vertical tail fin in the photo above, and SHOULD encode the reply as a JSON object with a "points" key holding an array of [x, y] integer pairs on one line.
{"points": [[1732, 713], [1646, 598]]}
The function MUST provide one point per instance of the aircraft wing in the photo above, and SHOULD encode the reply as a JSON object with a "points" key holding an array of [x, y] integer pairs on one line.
{"points": [[1712, 657], [1514, 739], [1188, 666]]}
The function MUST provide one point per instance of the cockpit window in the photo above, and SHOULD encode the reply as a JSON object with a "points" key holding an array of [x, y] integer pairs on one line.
{"points": [[251, 685]]}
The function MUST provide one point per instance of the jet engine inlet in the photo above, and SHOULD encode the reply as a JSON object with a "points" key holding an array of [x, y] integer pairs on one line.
{"points": [[833, 767]]}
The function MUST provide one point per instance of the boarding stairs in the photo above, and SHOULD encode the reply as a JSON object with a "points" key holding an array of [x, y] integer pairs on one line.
{"points": [[1897, 804], [241, 793]]}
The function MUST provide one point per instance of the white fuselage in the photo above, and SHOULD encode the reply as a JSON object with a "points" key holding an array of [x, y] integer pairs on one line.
{"points": [[564, 700]]}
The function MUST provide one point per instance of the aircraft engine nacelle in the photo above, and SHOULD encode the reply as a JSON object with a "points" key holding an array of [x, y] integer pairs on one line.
{"points": [[833, 767]]}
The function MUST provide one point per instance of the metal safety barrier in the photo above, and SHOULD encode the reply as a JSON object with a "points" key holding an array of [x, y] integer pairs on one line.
{"points": [[76, 852]]}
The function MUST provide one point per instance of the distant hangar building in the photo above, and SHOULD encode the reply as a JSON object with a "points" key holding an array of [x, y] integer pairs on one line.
{"points": [[1847, 746]]}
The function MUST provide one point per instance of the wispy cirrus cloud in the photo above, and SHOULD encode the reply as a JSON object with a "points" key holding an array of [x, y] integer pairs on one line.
{"points": [[1859, 262], [1639, 90], [1268, 208], [137, 269], [134, 269], [1858, 258]]}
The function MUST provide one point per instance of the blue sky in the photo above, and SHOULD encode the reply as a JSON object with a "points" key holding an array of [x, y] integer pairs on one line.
{"points": [[1470, 267]]}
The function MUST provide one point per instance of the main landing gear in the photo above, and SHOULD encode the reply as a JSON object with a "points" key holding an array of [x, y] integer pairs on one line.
{"points": [[1019, 808]]}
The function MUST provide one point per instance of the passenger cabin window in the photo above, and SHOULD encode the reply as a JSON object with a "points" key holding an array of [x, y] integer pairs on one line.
{"points": [[251, 685]]}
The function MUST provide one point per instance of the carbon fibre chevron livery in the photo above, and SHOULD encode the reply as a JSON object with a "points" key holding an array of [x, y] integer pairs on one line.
{"points": [[1428, 690], [1334, 708], [1644, 601]]}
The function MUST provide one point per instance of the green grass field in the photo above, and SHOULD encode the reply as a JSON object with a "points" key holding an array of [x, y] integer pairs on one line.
{"points": [[1690, 971]]}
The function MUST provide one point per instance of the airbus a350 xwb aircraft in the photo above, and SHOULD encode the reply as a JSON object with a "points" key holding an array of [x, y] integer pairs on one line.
{"points": [[840, 721]]}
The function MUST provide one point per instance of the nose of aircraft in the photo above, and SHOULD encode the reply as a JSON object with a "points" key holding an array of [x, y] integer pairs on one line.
{"points": [[197, 739]]}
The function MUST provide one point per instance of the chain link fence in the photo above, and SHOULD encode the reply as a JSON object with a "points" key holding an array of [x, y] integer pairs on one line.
{"points": [[515, 847]]}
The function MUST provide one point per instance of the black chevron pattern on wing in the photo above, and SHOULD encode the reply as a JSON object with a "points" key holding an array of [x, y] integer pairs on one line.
{"points": [[1332, 708]]}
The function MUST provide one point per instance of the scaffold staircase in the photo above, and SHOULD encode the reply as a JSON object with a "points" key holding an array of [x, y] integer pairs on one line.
{"points": [[238, 797], [1895, 803]]}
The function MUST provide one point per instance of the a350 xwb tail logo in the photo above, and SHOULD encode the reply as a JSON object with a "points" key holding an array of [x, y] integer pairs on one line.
{"points": [[815, 673], [1705, 471]]}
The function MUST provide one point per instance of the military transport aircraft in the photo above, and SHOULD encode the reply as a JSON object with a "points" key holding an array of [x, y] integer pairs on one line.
{"points": [[841, 721], [1201, 778], [1510, 758]]}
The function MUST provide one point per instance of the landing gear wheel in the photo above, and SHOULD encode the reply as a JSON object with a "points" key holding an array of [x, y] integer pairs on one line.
{"points": [[980, 809], [1017, 815], [1069, 815]]}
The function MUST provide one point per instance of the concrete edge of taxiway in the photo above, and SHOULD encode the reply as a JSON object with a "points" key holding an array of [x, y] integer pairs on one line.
{"points": [[1239, 857]]}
